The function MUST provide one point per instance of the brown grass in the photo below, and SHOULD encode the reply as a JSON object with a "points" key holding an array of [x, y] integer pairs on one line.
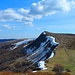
{"points": [[37, 73]]}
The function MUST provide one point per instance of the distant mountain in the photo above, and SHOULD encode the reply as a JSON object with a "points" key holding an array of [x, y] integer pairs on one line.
{"points": [[23, 54], [4, 40]]}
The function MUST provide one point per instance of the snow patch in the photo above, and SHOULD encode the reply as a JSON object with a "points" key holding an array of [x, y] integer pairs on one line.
{"points": [[34, 71], [20, 43], [52, 39], [44, 33], [52, 54], [41, 65]]}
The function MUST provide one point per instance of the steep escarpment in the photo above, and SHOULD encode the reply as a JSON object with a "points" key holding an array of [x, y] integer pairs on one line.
{"points": [[44, 44]]}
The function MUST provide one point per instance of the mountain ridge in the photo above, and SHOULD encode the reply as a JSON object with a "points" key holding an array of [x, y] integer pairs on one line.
{"points": [[15, 58]]}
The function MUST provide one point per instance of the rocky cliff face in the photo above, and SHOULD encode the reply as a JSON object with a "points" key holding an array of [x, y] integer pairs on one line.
{"points": [[43, 45], [41, 49]]}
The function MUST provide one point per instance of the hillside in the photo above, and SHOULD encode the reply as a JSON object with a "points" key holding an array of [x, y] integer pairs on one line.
{"points": [[68, 40], [13, 54], [22, 55], [65, 53]]}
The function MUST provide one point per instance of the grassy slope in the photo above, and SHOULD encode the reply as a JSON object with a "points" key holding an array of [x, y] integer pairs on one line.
{"points": [[68, 61], [63, 59]]}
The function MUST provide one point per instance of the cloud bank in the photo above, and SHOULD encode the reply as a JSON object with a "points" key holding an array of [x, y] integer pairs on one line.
{"points": [[36, 11]]}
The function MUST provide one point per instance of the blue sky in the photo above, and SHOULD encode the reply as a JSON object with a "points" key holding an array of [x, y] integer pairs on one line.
{"points": [[28, 18]]}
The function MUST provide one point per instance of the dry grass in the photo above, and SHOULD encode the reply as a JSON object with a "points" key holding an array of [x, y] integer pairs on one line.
{"points": [[38, 73], [63, 59], [60, 58]]}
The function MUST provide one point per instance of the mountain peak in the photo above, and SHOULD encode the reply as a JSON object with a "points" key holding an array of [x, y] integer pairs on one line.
{"points": [[44, 32]]}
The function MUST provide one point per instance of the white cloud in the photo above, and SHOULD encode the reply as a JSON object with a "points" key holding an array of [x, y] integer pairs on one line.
{"points": [[23, 11], [36, 11], [28, 23], [46, 7], [9, 15], [8, 26]]}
